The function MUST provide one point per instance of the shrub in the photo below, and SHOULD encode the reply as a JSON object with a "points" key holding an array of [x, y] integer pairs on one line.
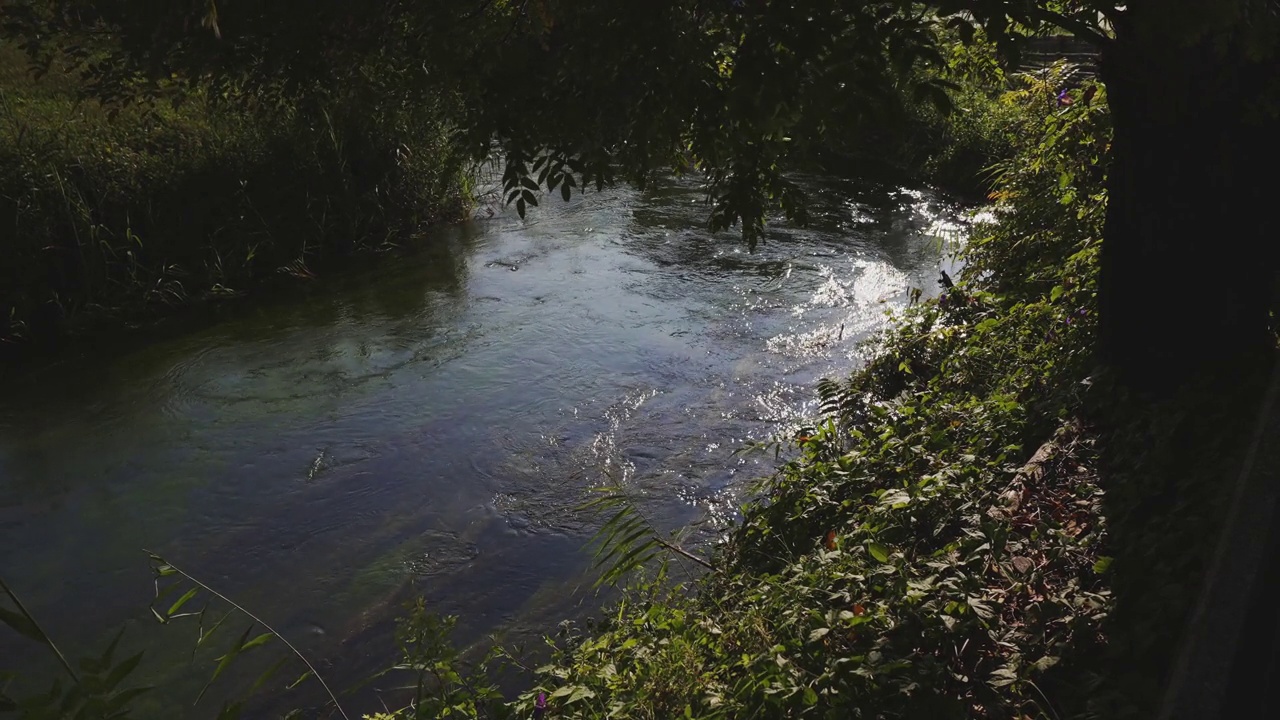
{"points": [[122, 212], [935, 548]]}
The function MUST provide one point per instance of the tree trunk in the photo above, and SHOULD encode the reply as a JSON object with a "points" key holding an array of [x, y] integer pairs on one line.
{"points": [[1188, 268]]}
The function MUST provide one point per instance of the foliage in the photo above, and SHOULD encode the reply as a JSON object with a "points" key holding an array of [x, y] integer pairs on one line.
{"points": [[920, 557], [952, 144], [130, 216], [941, 545], [442, 684], [736, 91], [169, 580], [981, 128], [984, 525], [627, 541], [1054, 189], [442, 687], [717, 87], [94, 692]]}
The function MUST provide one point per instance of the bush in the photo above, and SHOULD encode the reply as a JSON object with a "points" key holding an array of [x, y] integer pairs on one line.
{"points": [[121, 212], [936, 548], [978, 528]]}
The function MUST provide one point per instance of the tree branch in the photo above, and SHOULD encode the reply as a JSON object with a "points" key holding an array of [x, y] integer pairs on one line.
{"points": [[1079, 28], [677, 549]]}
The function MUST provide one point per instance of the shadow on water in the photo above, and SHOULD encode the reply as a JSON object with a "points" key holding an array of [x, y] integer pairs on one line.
{"points": [[427, 424]]}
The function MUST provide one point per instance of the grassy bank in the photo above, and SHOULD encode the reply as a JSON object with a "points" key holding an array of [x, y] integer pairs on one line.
{"points": [[937, 547], [112, 214], [984, 527]]}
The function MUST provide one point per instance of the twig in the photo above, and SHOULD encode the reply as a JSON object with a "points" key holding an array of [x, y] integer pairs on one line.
{"points": [[260, 621], [23, 609], [677, 549]]}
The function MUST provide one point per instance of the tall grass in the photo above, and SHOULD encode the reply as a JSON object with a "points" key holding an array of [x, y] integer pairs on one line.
{"points": [[119, 213]]}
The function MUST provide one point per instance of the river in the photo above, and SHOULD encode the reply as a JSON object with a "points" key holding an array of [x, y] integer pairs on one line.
{"points": [[427, 424]]}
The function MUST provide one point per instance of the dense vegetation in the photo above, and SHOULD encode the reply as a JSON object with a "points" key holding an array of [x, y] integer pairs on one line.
{"points": [[1004, 514], [126, 194], [968, 532], [938, 548], [738, 91], [119, 214]]}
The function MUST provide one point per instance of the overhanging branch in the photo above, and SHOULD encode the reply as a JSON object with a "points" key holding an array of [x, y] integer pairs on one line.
{"points": [[1079, 28]]}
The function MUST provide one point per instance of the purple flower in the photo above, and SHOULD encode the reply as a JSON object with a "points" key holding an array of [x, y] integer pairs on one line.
{"points": [[540, 707]]}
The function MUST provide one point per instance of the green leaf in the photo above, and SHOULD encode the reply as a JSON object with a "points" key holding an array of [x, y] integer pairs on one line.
{"points": [[818, 634], [896, 498], [879, 552], [206, 635], [1046, 662], [810, 696], [262, 639], [1102, 565], [1003, 676], [266, 675], [22, 625], [122, 699], [225, 661], [177, 605], [122, 671], [301, 679], [108, 654], [981, 609], [580, 693], [1056, 293]]}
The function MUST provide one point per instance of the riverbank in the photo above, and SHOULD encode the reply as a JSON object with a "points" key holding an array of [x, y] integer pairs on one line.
{"points": [[112, 216], [984, 526], [116, 217], [430, 423], [938, 546]]}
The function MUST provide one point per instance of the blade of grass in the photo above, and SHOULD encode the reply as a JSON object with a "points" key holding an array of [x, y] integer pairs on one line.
{"points": [[333, 698], [43, 636]]}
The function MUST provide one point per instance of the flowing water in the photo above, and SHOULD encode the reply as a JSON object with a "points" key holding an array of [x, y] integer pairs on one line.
{"points": [[426, 426]]}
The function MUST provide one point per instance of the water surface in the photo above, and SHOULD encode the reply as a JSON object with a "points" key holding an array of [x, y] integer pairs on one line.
{"points": [[427, 425]]}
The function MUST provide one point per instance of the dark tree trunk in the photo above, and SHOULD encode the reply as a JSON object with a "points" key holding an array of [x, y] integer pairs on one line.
{"points": [[1193, 222]]}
